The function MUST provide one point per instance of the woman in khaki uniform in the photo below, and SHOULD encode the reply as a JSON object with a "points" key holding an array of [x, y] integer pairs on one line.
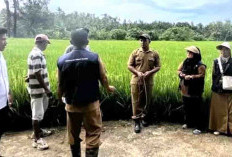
{"points": [[143, 63], [192, 74], [221, 101]]}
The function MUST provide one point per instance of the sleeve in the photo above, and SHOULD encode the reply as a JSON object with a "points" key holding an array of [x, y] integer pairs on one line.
{"points": [[131, 61], [68, 49], [201, 72], [180, 67], [157, 60], [36, 63]]}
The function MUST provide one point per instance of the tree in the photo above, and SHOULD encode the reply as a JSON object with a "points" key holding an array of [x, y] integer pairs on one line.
{"points": [[8, 23], [36, 17], [178, 34], [118, 34]]}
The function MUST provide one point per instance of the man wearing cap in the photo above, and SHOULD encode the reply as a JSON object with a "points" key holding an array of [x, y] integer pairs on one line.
{"points": [[38, 88], [221, 101], [71, 47], [5, 95], [143, 64], [79, 73], [192, 73]]}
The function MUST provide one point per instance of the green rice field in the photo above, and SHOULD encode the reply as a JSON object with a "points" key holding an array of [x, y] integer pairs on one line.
{"points": [[115, 55]]}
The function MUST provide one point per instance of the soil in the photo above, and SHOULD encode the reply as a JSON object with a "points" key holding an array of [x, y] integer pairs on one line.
{"points": [[119, 141]]}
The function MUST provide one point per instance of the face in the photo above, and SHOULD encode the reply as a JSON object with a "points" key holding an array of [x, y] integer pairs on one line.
{"points": [[189, 54], [144, 43], [225, 52], [44, 45], [3, 42]]}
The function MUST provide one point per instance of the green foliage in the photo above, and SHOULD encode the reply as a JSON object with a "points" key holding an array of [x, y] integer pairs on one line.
{"points": [[178, 34], [34, 17], [118, 34]]}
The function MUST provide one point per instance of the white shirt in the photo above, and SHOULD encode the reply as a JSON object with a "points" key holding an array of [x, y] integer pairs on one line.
{"points": [[4, 82]]}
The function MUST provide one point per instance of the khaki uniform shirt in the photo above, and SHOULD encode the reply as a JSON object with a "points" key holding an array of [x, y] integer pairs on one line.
{"points": [[143, 61], [91, 106]]}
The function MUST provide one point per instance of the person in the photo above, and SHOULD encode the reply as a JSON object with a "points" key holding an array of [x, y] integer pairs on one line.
{"points": [[192, 73], [39, 89], [221, 100], [71, 47], [78, 73], [143, 64], [6, 98]]}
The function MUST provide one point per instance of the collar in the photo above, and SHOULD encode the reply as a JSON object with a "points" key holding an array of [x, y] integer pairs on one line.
{"points": [[141, 49], [37, 49]]}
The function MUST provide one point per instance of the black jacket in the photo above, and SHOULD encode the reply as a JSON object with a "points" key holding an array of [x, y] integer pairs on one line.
{"points": [[79, 75], [217, 76]]}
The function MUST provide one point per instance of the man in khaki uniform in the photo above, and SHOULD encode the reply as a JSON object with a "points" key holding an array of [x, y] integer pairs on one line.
{"points": [[143, 63], [79, 73]]}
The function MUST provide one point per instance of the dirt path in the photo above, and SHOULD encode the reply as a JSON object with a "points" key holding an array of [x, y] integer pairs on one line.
{"points": [[120, 141]]}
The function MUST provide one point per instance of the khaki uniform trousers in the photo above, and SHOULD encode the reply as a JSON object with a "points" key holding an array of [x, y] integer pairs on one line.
{"points": [[141, 100], [92, 122]]}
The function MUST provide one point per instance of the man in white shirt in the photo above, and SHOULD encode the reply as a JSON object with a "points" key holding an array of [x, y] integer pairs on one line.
{"points": [[5, 96]]}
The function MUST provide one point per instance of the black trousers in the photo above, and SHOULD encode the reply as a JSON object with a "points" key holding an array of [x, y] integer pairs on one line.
{"points": [[4, 120], [193, 108]]}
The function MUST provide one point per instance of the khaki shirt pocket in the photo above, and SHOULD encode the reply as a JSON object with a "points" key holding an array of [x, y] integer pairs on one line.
{"points": [[151, 62], [138, 61]]}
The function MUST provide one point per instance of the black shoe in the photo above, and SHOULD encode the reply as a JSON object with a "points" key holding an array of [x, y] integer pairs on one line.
{"points": [[144, 123], [76, 150], [91, 152], [137, 127]]}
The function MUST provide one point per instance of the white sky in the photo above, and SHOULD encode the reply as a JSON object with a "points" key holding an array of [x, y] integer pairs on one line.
{"points": [[204, 11]]}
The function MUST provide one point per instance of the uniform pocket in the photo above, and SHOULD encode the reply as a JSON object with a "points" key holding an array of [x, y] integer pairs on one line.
{"points": [[138, 61], [151, 62]]}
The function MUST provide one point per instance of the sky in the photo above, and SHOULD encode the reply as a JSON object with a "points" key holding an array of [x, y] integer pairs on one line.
{"points": [[196, 11]]}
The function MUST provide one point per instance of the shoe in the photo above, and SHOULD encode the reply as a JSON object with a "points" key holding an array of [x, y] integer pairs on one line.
{"points": [[144, 123], [137, 127], [196, 132], [91, 152], [184, 126], [216, 133], [40, 144], [43, 133]]}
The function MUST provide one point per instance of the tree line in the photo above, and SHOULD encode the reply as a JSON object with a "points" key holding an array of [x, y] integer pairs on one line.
{"points": [[26, 18]]}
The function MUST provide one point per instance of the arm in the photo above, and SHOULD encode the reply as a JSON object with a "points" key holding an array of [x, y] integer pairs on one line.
{"points": [[41, 82], [10, 99], [131, 66], [201, 72], [179, 71], [156, 66], [59, 90], [104, 79]]}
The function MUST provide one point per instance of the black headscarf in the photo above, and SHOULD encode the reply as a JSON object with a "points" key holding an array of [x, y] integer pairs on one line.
{"points": [[190, 63]]}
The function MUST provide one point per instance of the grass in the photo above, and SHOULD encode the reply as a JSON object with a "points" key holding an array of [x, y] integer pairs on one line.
{"points": [[115, 55]]}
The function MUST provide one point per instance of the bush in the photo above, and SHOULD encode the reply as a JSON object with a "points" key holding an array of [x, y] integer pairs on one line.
{"points": [[99, 35], [178, 34], [198, 37], [133, 33], [118, 34]]}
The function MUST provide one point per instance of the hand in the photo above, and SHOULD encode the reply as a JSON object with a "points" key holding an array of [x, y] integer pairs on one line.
{"points": [[187, 77], [26, 79], [182, 75], [10, 100], [140, 74], [111, 89], [49, 93], [147, 74]]}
